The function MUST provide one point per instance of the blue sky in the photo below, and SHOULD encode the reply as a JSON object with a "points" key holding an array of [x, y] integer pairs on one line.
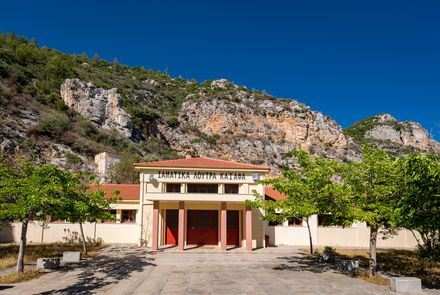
{"points": [[347, 59]]}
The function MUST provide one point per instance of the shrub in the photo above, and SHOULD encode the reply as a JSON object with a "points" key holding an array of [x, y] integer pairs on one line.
{"points": [[173, 122], [73, 159], [329, 250], [53, 124], [212, 139]]}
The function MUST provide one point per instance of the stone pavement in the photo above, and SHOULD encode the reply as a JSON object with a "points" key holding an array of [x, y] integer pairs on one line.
{"points": [[203, 270]]}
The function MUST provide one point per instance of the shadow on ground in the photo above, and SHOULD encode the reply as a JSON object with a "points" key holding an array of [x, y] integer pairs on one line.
{"points": [[109, 267], [295, 263]]}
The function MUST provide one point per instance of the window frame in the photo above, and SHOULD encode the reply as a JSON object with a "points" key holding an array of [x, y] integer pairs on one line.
{"points": [[129, 215], [276, 223], [174, 186], [292, 219], [198, 188], [231, 189], [108, 220]]}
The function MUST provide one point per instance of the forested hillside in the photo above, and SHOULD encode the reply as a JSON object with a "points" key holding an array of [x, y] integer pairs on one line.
{"points": [[66, 108]]}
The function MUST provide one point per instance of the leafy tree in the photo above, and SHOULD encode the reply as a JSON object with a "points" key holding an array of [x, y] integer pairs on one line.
{"points": [[32, 193], [368, 194], [81, 204], [306, 191], [418, 206], [96, 58], [123, 172]]}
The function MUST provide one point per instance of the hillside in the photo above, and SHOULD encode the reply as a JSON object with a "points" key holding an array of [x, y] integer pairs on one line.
{"points": [[65, 108]]}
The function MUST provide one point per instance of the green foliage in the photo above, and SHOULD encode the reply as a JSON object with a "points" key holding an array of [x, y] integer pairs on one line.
{"points": [[172, 122], [53, 124], [212, 139], [73, 159], [418, 206], [123, 172], [329, 250], [306, 192]]}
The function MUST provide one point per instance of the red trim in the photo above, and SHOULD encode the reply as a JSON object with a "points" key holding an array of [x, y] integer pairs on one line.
{"points": [[130, 213]]}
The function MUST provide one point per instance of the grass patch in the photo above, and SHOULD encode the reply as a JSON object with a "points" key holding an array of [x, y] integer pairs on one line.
{"points": [[26, 275], [377, 279], [403, 262], [9, 253]]}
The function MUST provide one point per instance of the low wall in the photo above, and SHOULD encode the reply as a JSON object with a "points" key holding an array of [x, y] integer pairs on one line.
{"points": [[111, 233]]}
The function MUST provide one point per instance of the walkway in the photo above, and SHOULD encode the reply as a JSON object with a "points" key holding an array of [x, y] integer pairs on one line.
{"points": [[136, 270]]}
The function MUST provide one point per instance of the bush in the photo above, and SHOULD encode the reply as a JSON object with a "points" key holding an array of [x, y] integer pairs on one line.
{"points": [[172, 122], [73, 159], [53, 124], [329, 250], [212, 139], [430, 250]]}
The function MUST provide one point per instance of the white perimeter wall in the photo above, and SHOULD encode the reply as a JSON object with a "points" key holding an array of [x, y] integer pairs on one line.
{"points": [[357, 235], [70, 233]]}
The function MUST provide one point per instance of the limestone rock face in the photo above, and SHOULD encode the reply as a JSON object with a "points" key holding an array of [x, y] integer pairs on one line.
{"points": [[102, 107], [406, 133], [254, 131]]}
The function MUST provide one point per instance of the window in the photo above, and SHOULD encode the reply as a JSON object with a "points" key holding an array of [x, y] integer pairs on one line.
{"points": [[295, 221], [231, 188], [173, 188], [112, 212], [321, 219], [128, 216], [202, 188], [275, 223]]}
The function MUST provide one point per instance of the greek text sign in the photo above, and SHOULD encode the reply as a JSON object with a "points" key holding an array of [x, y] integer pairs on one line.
{"points": [[201, 175]]}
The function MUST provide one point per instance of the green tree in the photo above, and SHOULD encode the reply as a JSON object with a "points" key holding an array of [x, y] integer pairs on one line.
{"points": [[418, 206], [115, 64], [96, 58], [81, 204], [306, 191], [123, 172], [32, 193], [368, 194]]}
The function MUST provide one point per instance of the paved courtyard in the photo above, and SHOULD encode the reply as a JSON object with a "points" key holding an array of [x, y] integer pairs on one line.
{"points": [[136, 270]]}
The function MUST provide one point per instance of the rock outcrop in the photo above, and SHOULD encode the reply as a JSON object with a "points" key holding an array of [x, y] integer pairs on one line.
{"points": [[407, 133], [254, 131], [102, 107]]}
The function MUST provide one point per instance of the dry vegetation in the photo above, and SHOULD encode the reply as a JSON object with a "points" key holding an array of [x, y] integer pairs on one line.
{"points": [[403, 262], [26, 275], [9, 253]]}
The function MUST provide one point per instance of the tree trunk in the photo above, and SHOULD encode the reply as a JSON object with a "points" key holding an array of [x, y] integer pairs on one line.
{"points": [[22, 249], [310, 236], [373, 246], [83, 238]]}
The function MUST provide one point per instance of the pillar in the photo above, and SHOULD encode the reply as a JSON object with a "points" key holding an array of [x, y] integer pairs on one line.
{"points": [[181, 229], [223, 228], [155, 225], [248, 228]]}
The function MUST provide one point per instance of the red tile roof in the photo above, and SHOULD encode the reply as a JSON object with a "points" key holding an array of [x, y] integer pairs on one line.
{"points": [[128, 191], [201, 163], [272, 194]]}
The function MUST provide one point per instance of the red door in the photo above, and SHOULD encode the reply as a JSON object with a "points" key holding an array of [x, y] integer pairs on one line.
{"points": [[232, 228], [172, 227], [202, 227]]}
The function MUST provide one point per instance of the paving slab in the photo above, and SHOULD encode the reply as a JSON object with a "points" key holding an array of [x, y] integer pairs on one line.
{"points": [[137, 270]]}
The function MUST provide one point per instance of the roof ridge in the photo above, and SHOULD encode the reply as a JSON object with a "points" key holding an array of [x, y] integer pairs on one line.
{"points": [[203, 158]]}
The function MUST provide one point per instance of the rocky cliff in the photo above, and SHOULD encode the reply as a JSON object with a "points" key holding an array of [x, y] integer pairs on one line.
{"points": [[102, 107], [247, 128]]}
